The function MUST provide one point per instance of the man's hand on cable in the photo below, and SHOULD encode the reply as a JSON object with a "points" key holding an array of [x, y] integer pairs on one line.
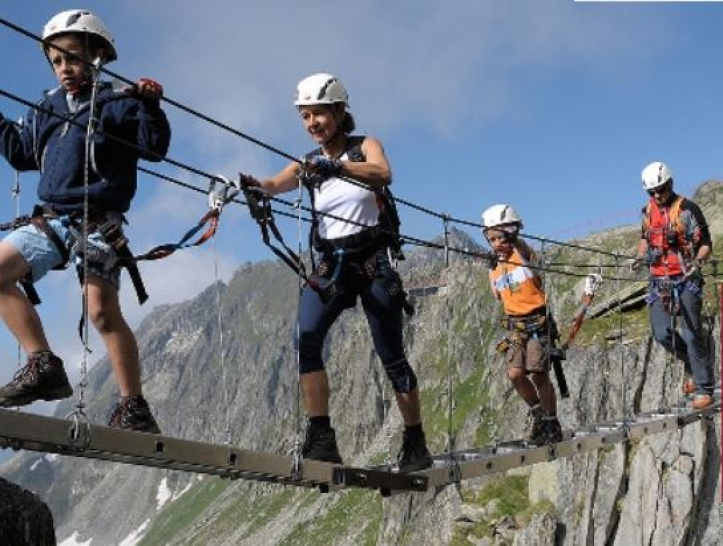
{"points": [[636, 264], [147, 88], [325, 166], [694, 268]]}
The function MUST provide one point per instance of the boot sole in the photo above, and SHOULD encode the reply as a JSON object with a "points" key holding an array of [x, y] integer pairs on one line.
{"points": [[58, 394]]}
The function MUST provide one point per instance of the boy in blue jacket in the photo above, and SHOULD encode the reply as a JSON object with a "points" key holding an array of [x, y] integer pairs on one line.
{"points": [[57, 148]]}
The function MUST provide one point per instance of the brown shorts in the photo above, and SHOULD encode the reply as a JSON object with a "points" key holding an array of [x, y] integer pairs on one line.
{"points": [[528, 353]]}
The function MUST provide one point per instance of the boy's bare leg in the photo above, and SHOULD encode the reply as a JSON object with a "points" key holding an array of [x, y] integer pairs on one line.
{"points": [[105, 313], [546, 392], [524, 387], [16, 310]]}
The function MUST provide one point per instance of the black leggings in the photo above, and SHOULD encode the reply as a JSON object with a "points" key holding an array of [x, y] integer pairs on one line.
{"points": [[384, 316]]}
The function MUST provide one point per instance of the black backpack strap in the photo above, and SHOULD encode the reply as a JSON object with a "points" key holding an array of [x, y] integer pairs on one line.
{"points": [[113, 235], [353, 149]]}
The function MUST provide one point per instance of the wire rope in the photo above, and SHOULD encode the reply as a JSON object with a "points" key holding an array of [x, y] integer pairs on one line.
{"points": [[406, 238], [276, 150]]}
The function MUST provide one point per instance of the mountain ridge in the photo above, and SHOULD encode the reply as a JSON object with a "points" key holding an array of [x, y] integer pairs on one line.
{"points": [[450, 338]]}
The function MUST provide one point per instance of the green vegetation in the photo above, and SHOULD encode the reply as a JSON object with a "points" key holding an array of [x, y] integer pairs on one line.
{"points": [[511, 492], [355, 510], [594, 331], [506, 497], [261, 513], [181, 513]]}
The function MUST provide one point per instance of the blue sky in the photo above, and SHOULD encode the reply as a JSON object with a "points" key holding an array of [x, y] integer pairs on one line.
{"points": [[550, 105]]}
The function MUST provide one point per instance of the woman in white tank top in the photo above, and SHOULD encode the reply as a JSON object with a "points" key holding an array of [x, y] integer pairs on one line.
{"points": [[344, 173]]}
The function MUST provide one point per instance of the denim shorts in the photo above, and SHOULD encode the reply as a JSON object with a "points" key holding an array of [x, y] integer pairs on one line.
{"points": [[42, 255]]}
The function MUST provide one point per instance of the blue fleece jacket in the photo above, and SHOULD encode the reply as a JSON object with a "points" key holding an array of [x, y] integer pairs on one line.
{"points": [[56, 148]]}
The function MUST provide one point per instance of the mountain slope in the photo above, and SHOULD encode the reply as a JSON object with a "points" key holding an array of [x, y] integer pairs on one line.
{"points": [[660, 489]]}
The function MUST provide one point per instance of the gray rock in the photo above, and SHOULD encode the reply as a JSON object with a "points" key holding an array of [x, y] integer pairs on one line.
{"points": [[25, 520], [659, 490], [540, 531]]}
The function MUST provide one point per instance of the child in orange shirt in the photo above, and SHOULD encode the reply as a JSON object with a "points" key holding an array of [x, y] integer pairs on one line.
{"points": [[530, 330]]}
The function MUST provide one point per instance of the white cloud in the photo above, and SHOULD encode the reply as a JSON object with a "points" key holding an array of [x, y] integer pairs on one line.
{"points": [[443, 67], [419, 62]]}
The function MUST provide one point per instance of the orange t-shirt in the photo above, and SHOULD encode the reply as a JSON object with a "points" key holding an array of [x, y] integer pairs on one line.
{"points": [[518, 286]]}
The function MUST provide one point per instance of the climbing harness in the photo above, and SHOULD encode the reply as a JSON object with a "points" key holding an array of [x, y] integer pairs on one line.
{"points": [[389, 223], [356, 251], [669, 250]]}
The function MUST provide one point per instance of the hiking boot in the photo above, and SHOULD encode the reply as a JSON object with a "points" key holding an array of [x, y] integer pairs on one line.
{"points": [[538, 431], [554, 430], [320, 445], [414, 455], [133, 413], [702, 401], [688, 386], [42, 378]]}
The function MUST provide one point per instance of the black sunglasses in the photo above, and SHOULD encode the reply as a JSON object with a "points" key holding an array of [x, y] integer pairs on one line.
{"points": [[660, 190]]}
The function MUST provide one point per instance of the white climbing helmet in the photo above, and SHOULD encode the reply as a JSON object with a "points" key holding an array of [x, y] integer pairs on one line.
{"points": [[321, 88], [81, 21], [500, 215], [656, 174]]}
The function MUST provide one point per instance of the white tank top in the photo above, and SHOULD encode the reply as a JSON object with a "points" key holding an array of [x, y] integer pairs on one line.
{"points": [[344, 200]]}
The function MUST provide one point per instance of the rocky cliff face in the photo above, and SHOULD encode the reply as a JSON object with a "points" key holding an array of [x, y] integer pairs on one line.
{"points": [[25, 520], [209, 370]]}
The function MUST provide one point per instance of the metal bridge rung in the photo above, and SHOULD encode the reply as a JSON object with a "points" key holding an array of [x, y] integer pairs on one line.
{"points": [[47, 434]]}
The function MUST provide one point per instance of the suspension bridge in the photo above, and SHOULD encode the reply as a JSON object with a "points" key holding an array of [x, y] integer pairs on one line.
{"points": [[77, 437]]}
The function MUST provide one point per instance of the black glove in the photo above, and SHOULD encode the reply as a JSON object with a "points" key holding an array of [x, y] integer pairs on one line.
{"points": [[325, 166]]}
